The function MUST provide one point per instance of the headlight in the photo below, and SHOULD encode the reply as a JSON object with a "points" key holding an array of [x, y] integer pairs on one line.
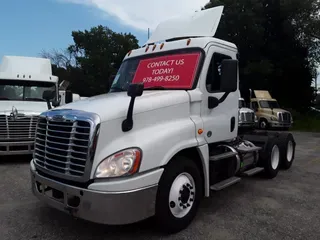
{"points": [[273, 119], [123, 163], [255, 118]]}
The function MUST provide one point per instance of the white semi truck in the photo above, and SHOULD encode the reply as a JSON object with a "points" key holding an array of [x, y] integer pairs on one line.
{"points": [[247, 118], [164, 137], [23, 80]]}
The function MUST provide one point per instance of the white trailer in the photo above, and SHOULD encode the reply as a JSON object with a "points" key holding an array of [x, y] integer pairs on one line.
{"points": [[163, 138], [23, 80]]}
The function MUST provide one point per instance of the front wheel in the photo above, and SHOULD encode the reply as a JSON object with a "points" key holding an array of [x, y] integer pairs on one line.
{"points": [[263, 124], [179, 195]]}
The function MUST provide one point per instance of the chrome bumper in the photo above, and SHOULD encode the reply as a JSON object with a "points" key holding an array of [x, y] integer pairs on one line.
{"points": [[246, 124], [280, 125], [110, 208], [16, 148]]}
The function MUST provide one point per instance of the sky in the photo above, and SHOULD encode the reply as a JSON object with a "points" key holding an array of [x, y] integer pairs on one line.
{"points": [[30, 26]]}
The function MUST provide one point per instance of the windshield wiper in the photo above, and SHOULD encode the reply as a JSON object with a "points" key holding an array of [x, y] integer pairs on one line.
{"points": [[117, 89], [155, 88]]}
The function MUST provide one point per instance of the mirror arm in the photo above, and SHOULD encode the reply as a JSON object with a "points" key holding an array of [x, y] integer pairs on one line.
{"points": [[224, 97], [49, 105], [127, 124]]}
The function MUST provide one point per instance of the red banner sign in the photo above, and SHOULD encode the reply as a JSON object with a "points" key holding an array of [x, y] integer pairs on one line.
{"points": [[172, 71]]}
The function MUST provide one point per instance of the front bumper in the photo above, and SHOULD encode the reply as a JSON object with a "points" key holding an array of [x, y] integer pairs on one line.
{"points": [[111, 208], [16, 148], [246, 124], [279, 124]]}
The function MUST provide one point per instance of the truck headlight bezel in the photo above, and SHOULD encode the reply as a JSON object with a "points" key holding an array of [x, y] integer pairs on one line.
{"points": [[125, 162]]}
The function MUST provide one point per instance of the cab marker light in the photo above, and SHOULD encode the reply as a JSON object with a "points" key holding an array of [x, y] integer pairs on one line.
{"points": [[154, 47]]}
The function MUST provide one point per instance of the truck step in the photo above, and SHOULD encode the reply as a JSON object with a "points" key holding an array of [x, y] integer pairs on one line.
{"points": [[225, 183], [222, 156], [252, 171], [248, 150]]}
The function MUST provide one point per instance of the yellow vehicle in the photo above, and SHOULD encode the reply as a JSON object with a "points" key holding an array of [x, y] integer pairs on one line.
{"points": [[269, 112]]}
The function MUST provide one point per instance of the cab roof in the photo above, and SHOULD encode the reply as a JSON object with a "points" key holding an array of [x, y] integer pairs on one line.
{"points": [[26, 68]]}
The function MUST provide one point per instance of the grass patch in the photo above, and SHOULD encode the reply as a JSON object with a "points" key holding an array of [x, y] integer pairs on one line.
{"points": [[309, 122]]}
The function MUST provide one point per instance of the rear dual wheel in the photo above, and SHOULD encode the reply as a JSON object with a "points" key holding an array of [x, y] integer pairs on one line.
{"points": [[270, 158], [287, 150]]}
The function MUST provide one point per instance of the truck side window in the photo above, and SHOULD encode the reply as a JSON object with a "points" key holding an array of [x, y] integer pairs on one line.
{"points": [[214, 72], [255, 106]]}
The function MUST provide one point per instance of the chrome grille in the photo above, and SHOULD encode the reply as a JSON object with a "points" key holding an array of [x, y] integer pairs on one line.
{"points": [[284, 117], [247, 117], [62, 146], [21, 128]]}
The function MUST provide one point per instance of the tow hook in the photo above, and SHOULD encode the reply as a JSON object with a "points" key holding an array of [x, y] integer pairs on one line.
{"points": [[71, 210]]}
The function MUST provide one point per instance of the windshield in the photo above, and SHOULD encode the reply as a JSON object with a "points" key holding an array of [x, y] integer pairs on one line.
{"points": [[242, 104], [269, 104], [19, 90], [171, 71]]}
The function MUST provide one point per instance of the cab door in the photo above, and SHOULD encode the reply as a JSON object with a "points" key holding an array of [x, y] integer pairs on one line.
{"points": [[220, 122]]}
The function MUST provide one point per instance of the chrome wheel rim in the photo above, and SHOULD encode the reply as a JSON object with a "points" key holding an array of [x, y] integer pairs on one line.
{"points": [[290, 151], [182, 194], [275, 157], [263, 125]]}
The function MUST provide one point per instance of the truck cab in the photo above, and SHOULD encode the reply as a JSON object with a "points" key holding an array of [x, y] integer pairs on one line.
{"points": [[163, 138], [269, 112], [247, 117], [23, 80]]}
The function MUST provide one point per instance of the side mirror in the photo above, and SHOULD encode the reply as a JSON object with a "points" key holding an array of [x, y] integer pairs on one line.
{"points": [[229, 75], [57, 103], [135, 90], [68, 97], [48, 95], [213, 102]]}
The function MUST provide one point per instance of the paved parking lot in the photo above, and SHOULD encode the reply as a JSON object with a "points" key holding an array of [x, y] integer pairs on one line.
{"points": [[287, 207]]}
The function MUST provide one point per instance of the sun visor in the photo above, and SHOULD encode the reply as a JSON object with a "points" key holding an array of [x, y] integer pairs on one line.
{"points": [[262, 94]]}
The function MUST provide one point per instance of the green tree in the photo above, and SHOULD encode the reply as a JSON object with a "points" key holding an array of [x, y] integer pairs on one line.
{"points": [[278, 45], [99, 53], [89, 62]]}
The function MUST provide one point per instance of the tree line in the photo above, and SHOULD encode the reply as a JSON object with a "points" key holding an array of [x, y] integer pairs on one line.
{"points": [[278, 42]]}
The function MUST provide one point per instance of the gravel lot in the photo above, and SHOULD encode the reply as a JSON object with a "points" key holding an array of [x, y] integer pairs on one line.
{"points": [[287, 207]]}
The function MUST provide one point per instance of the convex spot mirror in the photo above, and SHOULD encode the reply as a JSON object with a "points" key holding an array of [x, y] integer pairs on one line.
{"points": [[229, 75]]}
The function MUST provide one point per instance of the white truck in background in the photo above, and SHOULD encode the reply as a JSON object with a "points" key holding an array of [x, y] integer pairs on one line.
{"points": [[247, 118], [164, 137], [23, 80]]}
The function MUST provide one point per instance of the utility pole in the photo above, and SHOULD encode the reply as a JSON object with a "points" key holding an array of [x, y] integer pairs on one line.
{"points": [[148, 33]]}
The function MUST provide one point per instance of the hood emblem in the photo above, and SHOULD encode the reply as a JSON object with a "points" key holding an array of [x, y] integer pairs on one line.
{"points": [[58, 118], [14, 114]]}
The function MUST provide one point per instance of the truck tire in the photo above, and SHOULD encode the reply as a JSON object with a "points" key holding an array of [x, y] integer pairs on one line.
{"points": [[287, 150], [270, 158], [179, 195], [263, 124]]}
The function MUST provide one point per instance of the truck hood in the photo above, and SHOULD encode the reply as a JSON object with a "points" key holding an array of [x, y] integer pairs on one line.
{"points": [[115, 105], [275, 111], [244, 109], [26, 107]]}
